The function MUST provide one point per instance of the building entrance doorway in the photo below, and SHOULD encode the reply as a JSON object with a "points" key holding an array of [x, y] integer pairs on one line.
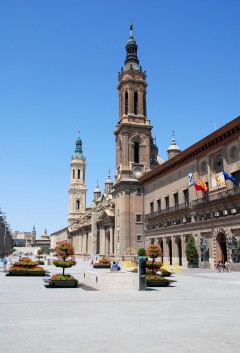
{"points": [[221, 247], [169, 243], [179, 245]]}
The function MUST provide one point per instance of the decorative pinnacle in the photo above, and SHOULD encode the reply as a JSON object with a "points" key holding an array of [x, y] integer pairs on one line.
{"points": [[109, 173], [78, 132], [131, 30]]}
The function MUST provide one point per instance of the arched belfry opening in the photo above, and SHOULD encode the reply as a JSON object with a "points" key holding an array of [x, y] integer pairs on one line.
{"points": [[136, 103], [126, 102], [136, 152]]}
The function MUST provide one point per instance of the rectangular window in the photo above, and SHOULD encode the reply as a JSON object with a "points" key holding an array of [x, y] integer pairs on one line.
{"points": [[138, 218], [186, 197], [159, 205], [139, 237], [151, 207], [175, 196], [167, 202], [73, 173], [78, 173]]}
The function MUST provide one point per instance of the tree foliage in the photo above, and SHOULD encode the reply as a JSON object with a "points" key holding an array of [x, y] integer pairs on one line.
{"points": [[153, 251], [141, 252], [191, 251]]}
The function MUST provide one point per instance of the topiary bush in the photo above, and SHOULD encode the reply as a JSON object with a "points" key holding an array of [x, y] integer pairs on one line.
{"points": [[141, 252], [191, 251], [64, 251], [153, 251]]}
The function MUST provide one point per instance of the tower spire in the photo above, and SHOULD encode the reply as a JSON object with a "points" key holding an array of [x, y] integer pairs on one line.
{"points": [[78, 150], [131, 61]]}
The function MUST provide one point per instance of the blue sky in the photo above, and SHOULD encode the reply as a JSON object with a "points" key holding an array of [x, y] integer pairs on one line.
{"points": [[59, 65]]}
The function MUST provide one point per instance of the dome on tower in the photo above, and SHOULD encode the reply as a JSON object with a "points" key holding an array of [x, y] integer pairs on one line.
{"points": [[78, 151], [97, 188], [131, 62], [173, 149]]}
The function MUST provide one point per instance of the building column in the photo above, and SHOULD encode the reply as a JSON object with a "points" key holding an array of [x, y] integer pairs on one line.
{"points": [[84, 243], [111, 241]]}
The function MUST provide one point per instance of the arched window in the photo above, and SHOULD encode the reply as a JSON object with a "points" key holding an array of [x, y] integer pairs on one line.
{"points": [[144, 105], [136, 152], [126, 102], [135, 103], [77, 205]]}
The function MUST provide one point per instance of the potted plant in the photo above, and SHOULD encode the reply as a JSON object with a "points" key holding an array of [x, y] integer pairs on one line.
{"points": [[153, 251], [39, 256], [103, 263], [158, 281], [64, 251], [26, 267], [191, 252]]}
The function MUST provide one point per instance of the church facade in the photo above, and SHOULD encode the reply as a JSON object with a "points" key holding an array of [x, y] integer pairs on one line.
{"points": [[150, 201]]}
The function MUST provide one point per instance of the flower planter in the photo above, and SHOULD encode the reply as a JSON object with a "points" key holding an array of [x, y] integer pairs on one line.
{"points": [[101, 266], [158, 283], [166, 274], [18, 273], [26, 273], [63, 284], [36, 273]]}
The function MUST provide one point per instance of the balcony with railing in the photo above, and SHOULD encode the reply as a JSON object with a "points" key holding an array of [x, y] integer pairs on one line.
{"points": [[180, 207], [207, 199], [221, 195]]}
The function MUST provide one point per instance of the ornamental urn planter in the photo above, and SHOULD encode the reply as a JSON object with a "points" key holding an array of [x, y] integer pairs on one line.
{"points": [[158, 283], [63, 284]]}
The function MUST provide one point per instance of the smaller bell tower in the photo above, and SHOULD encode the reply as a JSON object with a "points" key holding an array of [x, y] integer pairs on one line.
{"points": [[78, 189]]}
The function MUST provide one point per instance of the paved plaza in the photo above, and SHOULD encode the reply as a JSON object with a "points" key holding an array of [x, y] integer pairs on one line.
{"points": [[200, 313]]}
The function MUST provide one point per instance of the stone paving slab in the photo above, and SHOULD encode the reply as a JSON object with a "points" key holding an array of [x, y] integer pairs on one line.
{"points": [[199, 313]]}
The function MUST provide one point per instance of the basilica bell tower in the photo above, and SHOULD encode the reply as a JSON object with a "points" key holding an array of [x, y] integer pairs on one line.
{"points": [[134, 151], [77, 190]]}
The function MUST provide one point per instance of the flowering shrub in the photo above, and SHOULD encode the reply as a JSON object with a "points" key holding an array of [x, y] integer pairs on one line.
{"points": [[104, 261], [64, 264], [155, 264], [26, 263], [18, 268], [155, 278], [135, 270], [36, 269], [63, 251], [66, 277], [153, 251]]}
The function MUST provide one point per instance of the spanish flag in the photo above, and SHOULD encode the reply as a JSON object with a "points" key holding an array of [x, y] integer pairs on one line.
{"points": [[203, 185]]}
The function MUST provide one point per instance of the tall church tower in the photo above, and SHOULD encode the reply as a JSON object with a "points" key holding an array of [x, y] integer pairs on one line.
{"points": [[133, 152], [77, 190]]}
